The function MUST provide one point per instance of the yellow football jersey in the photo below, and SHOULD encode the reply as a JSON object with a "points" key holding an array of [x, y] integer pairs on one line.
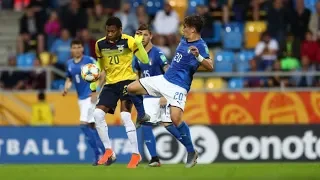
{"points": [[116, 58]]}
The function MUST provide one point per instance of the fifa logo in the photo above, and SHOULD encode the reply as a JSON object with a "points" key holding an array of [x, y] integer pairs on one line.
{"points": [[120, 48]]}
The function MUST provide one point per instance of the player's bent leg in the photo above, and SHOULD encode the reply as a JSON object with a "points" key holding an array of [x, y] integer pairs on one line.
{"points": [[136, 88], [142, 116], [102, 128], [176, 116], [125, 115], [150, 141]]}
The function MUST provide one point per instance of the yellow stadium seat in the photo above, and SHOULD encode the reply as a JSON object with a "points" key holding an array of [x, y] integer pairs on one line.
{"points": [[197, 84], [180, 6], [215, 83], [253, 30], [45, 58]]}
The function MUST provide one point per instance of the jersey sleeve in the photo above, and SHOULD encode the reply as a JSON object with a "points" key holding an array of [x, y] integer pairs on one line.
{"points": [[68, 72], [204, 50], [135, 65], [162, 59], [131, 44], [97, 50]]}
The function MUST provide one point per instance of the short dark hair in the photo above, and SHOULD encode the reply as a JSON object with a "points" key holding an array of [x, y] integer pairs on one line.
{"points": [[76, 42], [114, 21], [143, 27], [195, 21]]}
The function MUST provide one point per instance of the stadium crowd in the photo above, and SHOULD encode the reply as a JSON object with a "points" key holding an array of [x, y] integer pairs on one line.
{"points": [[290, 41]]}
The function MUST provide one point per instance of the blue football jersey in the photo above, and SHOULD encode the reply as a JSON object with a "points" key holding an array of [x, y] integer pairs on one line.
{"points": [[74, 73], [157, 60], [184, 64]]}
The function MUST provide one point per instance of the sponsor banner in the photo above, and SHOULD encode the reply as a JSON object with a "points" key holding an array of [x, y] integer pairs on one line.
{"points": [[253, 108], [285, 143], [201, 108], [56, 145]]}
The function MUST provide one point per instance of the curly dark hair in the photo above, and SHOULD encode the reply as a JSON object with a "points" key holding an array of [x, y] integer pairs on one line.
{"points": [[114, 21], [195, 21]]}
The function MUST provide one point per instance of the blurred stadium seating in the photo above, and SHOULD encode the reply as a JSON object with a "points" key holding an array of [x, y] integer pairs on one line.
{"points": [[224, 61]]}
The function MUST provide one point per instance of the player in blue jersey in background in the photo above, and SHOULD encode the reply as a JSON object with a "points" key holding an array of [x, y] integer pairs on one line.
{"points": [[174, 85], [157, 106], [86, 99]]}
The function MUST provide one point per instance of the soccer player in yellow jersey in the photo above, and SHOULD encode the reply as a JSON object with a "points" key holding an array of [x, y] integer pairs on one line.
{"points": [[114, 54]]}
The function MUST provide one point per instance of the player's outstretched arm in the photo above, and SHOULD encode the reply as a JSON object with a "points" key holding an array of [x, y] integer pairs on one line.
{"points": [[67, 86], [207, 63], [140, 53]]}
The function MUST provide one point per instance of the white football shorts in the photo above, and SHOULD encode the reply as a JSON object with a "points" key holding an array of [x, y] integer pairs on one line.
{"points": [[86, 110], [159, 86], [153, 109]]}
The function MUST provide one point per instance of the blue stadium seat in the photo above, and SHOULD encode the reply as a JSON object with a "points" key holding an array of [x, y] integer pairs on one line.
{"points": [[217, 30], [235, 83], [192, 5], [58, 84], [242, 61], [135, 3], [232, 40], [232, 36], [153, 6], [235, 26], [224, 61], [26, 60]]}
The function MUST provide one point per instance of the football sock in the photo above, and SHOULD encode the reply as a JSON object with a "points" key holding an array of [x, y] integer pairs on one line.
{"points": [[102, 127], [186, 137], [175, 132], [131, 131], [90, 138], [98, 140], [138, 103], [149, 140]]}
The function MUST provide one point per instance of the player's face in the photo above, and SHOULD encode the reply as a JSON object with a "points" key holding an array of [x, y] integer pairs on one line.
{"points": [[76, 50], [187, 31], [113, 33], [146, 37]]}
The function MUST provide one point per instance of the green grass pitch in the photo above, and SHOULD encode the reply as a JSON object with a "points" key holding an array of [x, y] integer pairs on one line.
{"points": [[235, 171]]}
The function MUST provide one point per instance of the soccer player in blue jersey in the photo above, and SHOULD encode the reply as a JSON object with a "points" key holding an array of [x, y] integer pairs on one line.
{"points": [[175, 83], [157, 106], [87, 99]]}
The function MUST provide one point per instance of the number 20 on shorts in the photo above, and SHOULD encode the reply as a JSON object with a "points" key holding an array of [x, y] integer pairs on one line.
{"points": [[178, 96]]}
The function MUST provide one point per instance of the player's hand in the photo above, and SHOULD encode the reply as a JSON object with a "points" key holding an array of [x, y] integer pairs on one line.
{"points": [[138, 37], [65, 92], [94, 98], [194, 50], [163, 102]]}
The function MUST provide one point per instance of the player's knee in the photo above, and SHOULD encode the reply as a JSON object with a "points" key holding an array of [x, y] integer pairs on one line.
{"points": [[130, 88], [133, 88], [99, 115]]}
